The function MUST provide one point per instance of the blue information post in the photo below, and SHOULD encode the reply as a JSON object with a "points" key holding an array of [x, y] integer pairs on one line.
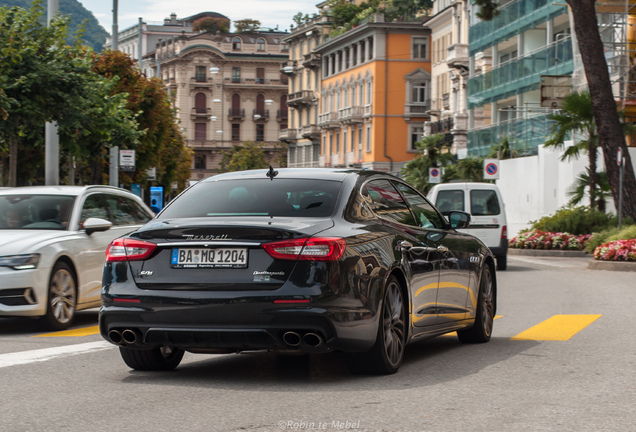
{"points": [[156, 198]]}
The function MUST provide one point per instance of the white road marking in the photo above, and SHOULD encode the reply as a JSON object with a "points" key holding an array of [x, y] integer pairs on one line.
{"points": [[540, 262], [25, 357]]}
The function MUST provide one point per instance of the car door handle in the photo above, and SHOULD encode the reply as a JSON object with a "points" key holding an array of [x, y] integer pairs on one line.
{"points": [[442, 248], [408, 246]]}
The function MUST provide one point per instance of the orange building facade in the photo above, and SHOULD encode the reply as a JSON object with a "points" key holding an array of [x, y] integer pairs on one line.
{"points": [[375, 95]]}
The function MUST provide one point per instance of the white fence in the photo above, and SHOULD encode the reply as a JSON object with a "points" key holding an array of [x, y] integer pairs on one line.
{"points": [[536, 186]]}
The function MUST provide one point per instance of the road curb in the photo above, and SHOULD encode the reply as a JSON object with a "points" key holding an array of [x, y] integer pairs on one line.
{"points": [[548, 253], [612, 265]]}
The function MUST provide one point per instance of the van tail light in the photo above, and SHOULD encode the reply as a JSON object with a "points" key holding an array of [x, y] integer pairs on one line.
{"points": [[504, 233], [125, 249], [307, 249]]}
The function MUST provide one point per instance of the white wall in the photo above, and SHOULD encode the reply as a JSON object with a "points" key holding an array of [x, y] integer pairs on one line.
{"points": [[536, 186]]}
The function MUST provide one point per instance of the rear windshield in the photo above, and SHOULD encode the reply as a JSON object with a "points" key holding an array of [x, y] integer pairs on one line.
{"points": [[448, 200], [484, 203], [256, 197]]}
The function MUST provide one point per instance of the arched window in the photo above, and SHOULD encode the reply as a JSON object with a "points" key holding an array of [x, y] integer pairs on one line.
{"points": [[260, 105], [199, 161], [260, 44], [236, 43], [200, 103]]}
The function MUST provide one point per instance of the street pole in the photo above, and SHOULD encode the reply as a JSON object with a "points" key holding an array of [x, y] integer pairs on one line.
{"points": [[115, 43], [621, 168], [51, 137]]}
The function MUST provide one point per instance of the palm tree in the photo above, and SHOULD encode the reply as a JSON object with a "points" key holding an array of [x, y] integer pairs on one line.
{"points": [[435, 154], [576, 192], [577, 116]]}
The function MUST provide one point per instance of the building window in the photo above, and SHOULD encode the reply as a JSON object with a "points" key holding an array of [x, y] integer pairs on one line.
{"points": [[199, 161], [369, 139], [284, 47], [260, 75], [200, 74], [260, 44], [236, 132], [200, 103], [236, 44], [420, 48], [418, 93], [200, 131], [417, 132], [260, 132], [236, 74]]}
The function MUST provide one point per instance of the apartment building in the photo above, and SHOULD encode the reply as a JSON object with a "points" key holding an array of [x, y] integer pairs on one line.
{"points": [[449, 67], [227, 88], [526, 48], [303, 68], [374, 94]]}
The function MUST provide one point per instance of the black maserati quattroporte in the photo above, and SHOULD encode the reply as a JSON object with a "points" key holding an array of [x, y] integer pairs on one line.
{"points": [[310, 260]]}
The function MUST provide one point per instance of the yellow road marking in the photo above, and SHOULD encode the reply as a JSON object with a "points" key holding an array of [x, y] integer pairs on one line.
{"points": [[557, 328], [85, 331]]}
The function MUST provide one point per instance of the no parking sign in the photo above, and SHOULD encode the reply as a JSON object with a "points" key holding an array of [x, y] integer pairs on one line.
{"points": [[491, 169], [434, 175]]}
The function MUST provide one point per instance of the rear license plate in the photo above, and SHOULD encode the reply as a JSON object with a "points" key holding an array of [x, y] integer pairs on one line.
{"points": [[209, 258]]}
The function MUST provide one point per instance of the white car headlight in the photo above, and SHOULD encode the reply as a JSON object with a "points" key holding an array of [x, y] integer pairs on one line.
{"points": [[20, 262]]}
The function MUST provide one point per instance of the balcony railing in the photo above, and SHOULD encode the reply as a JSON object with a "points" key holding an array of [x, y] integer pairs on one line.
{"points": [[328, 120], [522, 74], [198, 112], [310, 131], [417, 110], [312, 60], [457, 56], [236, 113], [525, 135], [302, 97], [260, 114], [198, 82], [351, 115], [287, 135], [282, 115]]}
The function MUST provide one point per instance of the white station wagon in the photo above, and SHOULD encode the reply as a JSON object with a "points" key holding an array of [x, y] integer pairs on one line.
{"points": [[53, 241]]}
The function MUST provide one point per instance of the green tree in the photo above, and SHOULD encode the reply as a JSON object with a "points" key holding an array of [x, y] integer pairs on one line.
{"points": [[435, 154], [247, 156], [246, 25], [577, 116], [504, 150], [211, 25], [602, 191], [44, 80], [161, 145]]}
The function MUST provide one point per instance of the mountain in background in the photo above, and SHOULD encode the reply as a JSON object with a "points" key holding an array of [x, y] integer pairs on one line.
{"points": [[94, 35]]}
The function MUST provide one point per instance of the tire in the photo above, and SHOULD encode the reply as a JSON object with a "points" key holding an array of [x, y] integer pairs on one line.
{"points": [[154, 359], [481, 331], [61, 302], [502, 262], [387, 354]]}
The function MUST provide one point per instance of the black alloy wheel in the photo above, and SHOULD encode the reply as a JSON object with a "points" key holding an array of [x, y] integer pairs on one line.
{"points": [[153, 359], [481, 331], [62, 297], [388, 352]]}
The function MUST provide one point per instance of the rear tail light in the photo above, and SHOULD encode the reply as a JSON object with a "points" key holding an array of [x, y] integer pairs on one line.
{"points": [[125, 249], [504, 232], [309, 249]]}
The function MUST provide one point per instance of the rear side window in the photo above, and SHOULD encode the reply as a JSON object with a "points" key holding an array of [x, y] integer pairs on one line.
{"points": [[448, 200], [484, 203], [387, 202], [256, 197]]}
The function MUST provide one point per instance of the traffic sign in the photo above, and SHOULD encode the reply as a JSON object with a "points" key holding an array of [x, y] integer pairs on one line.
{"points": [[434, 175], [491, 169]]}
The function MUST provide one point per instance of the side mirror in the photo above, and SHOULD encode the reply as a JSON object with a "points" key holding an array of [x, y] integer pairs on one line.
{"points": [[92, 225], [458, 219]]}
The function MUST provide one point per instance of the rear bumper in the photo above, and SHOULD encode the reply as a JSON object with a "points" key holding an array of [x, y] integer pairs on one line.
{"points": [[209, 321], [501, 250]]}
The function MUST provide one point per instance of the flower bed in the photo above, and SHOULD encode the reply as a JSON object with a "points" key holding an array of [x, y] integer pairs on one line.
{"points": [[549, 241], [619, 250]]}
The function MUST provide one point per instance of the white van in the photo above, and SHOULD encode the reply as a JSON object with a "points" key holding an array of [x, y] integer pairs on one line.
{"points": [[488, 217]]}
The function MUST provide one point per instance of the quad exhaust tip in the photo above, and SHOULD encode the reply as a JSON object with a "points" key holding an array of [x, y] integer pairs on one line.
{"points": [[292, 338]]}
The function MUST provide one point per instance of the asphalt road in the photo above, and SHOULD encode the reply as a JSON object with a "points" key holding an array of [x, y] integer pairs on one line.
{"points": [[562, 358]]}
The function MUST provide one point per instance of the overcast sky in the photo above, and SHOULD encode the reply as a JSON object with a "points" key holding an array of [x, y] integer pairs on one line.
{"points": [[270, 13]]}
